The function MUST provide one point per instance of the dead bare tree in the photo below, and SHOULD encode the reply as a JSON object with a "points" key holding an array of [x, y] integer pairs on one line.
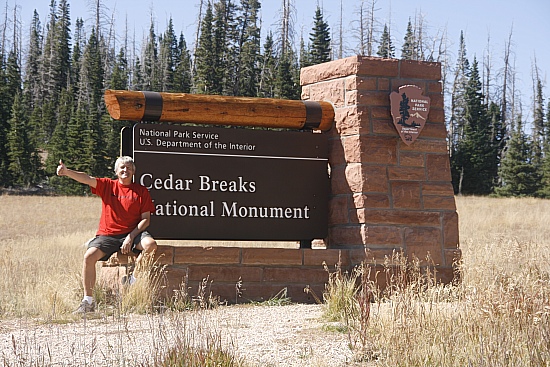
{"points": [[100, 13], [419, 34], [17, 37], [361, 49], [341, 31], [4, 30], [286, 32], [370, 34], [537, 108], [366, 27], [197, 35], [487, 70], [441, 44], [507, 72]]}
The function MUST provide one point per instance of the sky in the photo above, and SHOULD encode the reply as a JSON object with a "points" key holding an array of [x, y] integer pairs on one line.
{"points": [[478, 19]]}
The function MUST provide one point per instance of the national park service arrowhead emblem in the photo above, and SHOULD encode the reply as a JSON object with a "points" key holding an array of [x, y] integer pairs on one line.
{"points": [[409, 110]]}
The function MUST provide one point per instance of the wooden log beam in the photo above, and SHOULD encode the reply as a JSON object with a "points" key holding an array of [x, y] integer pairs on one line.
{"points": [[218, 110]]}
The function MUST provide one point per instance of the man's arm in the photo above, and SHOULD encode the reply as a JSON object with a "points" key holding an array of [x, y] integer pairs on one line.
{"points": [[75, 175], [142, 225]]}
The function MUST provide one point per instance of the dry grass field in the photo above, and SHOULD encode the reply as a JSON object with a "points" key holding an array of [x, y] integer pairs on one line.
{"points": [[498, 315]]}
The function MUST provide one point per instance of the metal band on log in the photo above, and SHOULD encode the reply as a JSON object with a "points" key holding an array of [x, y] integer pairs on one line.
{"points": [[218, 110]]}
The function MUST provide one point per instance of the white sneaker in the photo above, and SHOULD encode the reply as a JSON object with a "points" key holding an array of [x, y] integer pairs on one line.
{"points": [[85, 307], [128, 280]]}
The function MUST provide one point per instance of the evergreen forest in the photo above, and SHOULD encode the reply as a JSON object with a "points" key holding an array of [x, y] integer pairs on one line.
{"points": [[53, 77]]}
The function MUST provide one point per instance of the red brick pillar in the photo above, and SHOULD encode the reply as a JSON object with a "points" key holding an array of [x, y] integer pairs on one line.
{"points": [[386, 195]]}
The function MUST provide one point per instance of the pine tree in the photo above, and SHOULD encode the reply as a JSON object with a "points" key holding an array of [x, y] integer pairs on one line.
{"points": [[519, 176], [91, 101], [32, 67], [544, 186], [386, 48], [474, 162], [305, 57], [119, 80], [5, 114], [13, 76], [248, 64], [224, 48], [320, 39], [150, 72], [409, 49], [235, 23], [61, 56], [55, 65], [268, 69], [183, 78], [10, 75], [96, 150], [48, 120], [24, 162], [34, 123], [78, 47], [168, 58], [56, 55], [138, 82], [57, 148], [119, 76], [286, 85], [47, 86], [205, 67], [458, 103], [92, 75], [108, 55], [77, 140]]}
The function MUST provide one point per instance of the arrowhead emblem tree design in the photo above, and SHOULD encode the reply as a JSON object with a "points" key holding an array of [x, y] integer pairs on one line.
{"points": [[409, 109]]}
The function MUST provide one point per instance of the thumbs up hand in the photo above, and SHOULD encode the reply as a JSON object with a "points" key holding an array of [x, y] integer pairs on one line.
{"points": [[61, 169]]}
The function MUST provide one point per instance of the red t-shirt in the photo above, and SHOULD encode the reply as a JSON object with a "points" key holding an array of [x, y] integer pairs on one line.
{"points": [[122, 206]]}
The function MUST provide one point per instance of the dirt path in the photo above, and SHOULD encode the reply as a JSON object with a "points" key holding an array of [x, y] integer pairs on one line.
{"points": [[290, 335]]}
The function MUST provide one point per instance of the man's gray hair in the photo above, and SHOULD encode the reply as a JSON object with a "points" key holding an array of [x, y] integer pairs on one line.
{"points": [[124, 160]]}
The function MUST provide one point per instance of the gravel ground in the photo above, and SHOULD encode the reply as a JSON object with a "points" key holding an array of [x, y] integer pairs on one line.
{"points": [[291, 335]]}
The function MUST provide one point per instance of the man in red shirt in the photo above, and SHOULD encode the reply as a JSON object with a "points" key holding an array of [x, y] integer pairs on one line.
{"points": [[125, 214]]}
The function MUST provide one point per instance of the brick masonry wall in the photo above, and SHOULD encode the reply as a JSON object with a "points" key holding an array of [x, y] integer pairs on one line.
{"points": [[262, 273], [386, 197]]}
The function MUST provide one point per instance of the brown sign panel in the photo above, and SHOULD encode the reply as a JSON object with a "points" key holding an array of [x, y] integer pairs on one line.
{"points": [[233, 183], [409, 109]]}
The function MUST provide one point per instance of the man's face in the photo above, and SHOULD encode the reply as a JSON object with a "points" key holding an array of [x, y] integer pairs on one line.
{"points": [[125, 172]]}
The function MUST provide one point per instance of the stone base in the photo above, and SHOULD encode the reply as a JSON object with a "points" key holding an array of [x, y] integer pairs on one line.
{"points": [[240, 275]]}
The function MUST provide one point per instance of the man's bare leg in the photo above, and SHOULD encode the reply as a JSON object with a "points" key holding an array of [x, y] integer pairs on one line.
{"points": [[147, 245], [91, 257]]}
